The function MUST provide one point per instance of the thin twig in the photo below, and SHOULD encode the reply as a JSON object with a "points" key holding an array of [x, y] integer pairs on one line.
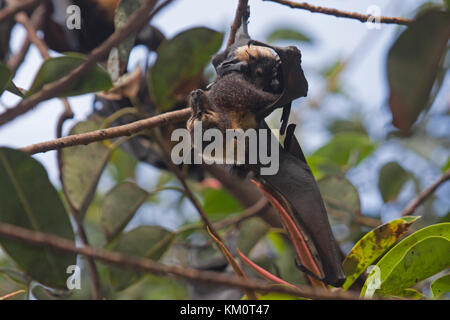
{"points": [[367, 221], [10, 10], [210, 228], [12, 294], [16, 60], [36, 21], [65, 115], [343, 14], [23, 19], [425, 194], [245, 192], [30, 26], [240, 11], [136, 21], [32, 37], [114, 132], [248, 213], [153, 267], [175, 170]]}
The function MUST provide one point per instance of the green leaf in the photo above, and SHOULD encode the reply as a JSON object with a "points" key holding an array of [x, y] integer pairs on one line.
{"points": [[411, 294], [81, 168], [347, 126], [276, 296], [123, 165], [7, 287], [341, 198], [345, 150], [288, 34], [11, 87], [413, 64], [95, 232], [145, 241], [447, 4], [332, 75], [42, 293], [94, 80], [441, 286], [155, 288], [6, 82], [5, 75], [180, 64], [29, 200], [119, 205], [445, 218], [372, 246], [446, 165], [123, 12], [391, 180], [250, 232], [218, 203], [415, 258], [15, 275]]}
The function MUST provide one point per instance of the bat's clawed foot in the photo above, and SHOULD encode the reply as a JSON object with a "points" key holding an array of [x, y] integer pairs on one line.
{"points": [[203, 110], [198, 101], [308, 272]]}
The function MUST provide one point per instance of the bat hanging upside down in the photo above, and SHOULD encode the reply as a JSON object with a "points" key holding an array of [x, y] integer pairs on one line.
{"points": [[252, 80]]}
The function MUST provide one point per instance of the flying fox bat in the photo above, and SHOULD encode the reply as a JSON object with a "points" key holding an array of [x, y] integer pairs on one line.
{"points": [[253, 79]]}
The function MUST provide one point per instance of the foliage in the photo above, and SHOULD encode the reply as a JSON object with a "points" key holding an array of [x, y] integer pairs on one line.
{"points": [[130, 216]]}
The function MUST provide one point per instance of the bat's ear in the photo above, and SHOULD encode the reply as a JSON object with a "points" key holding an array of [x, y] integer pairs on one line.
{"points": [[231, 65]]}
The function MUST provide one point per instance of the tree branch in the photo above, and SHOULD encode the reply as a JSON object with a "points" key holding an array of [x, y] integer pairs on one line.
{"points": [[36, 21], [10, 10], [245, 192], [23, 19], [175, 170], [248, 213], [136, 21], [153, 267], [425, 194], [114, 132], [342, 14], [12, 294], [240, 11], [16, 60]]}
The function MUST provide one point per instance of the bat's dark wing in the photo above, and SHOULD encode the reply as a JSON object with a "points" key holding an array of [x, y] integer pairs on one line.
{"points": [[295, 84], [224, 61], [295, 183]]}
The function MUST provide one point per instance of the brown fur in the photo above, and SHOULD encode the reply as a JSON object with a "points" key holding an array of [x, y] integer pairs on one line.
{"points": [[229, 104], [245, 53]]}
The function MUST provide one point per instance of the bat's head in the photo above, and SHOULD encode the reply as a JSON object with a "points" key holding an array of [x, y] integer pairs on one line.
{"points": [[261, 67]]}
